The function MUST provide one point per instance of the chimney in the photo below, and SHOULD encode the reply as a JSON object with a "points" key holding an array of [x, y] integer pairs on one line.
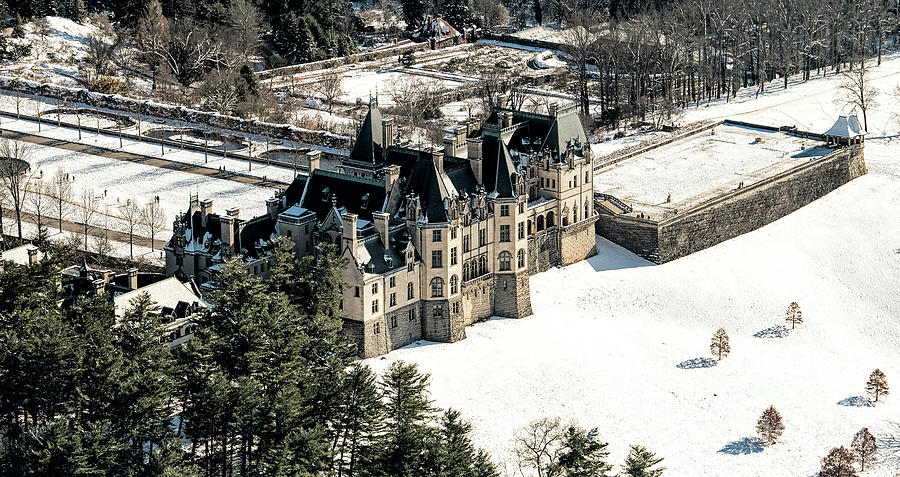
{"points": [[205, 211], [99, 285], [437, 157], [391, 176], [32, 256], [387, 132], [450, 146], [461, 133], [272, 207], [349, 231], [313, 156], [553, 107], [382, 221], [506, 119], [234, 212], [473, 145], [500, 100], [227, 231], [132, 278]]}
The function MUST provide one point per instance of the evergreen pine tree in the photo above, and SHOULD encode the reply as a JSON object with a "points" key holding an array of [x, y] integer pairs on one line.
{"points": [[877, 385], [457, 13], [538, 12], [360, 422], [864, 447], [719, 346], [483, 466], [583, 455], [453, 452], [408, 411], [793, 315], [641, 462], [769, 426], [838, 463], [413, 13]]}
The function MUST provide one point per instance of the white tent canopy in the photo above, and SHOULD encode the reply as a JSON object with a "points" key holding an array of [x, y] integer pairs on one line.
{"points": [[846, 127]]}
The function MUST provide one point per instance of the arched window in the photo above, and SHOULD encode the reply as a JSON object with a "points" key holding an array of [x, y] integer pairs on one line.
{"points": [[550, 222], [540, 223], [454, 284], [587, 212], [437, 287], [505, 259], [574, 215], [465, 271], [529, 226], [409, 291], [520, 258], [482, 265]]}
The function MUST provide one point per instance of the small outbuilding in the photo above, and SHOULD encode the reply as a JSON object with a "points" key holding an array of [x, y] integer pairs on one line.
{"points": [[845, 131]]}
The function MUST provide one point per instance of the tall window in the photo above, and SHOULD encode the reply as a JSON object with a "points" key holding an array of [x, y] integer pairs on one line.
{"points": [[437, 287], [435, 235], [504, 233], [377, 328], [587, 212], [521, 230], [465, 271], [454, 284], [505, 258], [436, 259], [482, 265], [392, 282], [374, 288], [466, 243], [504, 211], [522, 205], [393, 299], [453, 256], [409, 291], [374, 306], [482, 237], [437, 311], [520, 258], [453, 232], [412, 314]]}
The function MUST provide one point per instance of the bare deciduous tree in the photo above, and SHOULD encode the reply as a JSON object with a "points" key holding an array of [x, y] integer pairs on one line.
{"points": [[865, 447], [87, 212], [537, 445], [61, 190], [793, 315], [329, 86], [39, 204], [154, 220], [769, 426], [131, 216], [719, 346], [877, 385], [858, 92], [14, 175]]}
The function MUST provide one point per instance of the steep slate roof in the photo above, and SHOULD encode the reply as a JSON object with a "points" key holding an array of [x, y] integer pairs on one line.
{"points": [[497, 166], [431, 187], [358, 195], [372, 252], [369, 140]]}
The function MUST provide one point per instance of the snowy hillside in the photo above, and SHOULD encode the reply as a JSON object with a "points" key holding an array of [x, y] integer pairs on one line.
{"points": [[615, 341]]}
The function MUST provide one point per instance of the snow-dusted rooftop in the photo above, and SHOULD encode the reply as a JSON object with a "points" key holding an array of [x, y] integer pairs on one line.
{"points": [[846, 127], [699, 167]]}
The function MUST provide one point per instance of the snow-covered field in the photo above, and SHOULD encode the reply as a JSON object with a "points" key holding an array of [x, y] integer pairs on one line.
{"points": [[608, 334]]}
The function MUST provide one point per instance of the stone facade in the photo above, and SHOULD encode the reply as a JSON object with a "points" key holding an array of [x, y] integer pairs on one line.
{"points": [[735, 213]]}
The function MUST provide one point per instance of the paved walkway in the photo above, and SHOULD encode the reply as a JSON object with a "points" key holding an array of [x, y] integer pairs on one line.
{"points": [[76, 227]]}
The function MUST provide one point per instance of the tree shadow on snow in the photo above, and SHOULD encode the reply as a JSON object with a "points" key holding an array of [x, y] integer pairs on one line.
{"points": [[855, 401], [889, 446], [697, 363], [747, 445], [777, 331]]}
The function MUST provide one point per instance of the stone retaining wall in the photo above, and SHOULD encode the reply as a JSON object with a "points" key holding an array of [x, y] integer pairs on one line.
{"points": [[577, 242], [736, 212]]}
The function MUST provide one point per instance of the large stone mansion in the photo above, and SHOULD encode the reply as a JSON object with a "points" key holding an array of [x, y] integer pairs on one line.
{"points": [[435, 239]]}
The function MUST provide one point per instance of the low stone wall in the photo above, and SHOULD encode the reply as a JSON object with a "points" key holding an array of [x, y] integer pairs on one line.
{"points": [[52, 93], [543, 250], [734, 213], [758, 204]]}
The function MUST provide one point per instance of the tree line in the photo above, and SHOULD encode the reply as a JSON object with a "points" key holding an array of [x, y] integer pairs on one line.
{"points": [[640, 60], [268, 386]]}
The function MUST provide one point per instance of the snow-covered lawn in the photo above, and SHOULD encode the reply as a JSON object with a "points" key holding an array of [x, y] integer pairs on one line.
{"points": [[620, 344], [691, 166]]}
